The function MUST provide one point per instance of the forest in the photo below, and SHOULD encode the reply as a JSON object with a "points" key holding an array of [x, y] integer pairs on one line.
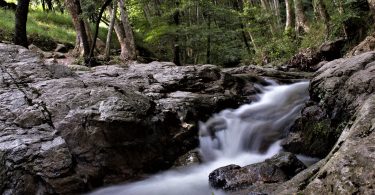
{"points": [[222, 32]]}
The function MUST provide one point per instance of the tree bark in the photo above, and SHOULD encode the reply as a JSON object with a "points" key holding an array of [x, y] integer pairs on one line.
{"points": [[208, 52], [102, 9], [321, 11], [49, 5], [110, 29], [119, 29], [82, 46], [372, 7], [20, 35], [289, 24], [176, 46], [301, 20], [130, 52]]}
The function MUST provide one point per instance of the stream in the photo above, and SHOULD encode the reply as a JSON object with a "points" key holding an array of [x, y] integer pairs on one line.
{"points": [[243, 136]]}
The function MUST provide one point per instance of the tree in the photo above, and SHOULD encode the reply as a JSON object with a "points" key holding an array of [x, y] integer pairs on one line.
{"points": [[93, 44], [125, 34], [82, 46], [321, 11], [289, 22], [110, 30], [20, 35], [301, 19]]}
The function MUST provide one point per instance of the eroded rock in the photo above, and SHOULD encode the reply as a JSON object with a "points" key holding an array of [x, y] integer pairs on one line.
{"points": [[277, 169], [337, 91], [343, 98], [68, 130]]}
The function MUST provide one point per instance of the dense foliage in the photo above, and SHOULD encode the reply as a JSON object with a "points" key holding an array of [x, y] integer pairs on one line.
{"points": [[227, 32], [223, 32]]}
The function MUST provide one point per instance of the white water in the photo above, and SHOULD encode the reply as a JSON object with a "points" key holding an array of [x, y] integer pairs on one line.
{"points": [[244, 136]]}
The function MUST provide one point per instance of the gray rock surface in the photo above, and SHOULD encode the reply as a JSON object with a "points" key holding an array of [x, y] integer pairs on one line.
{"points": [[337, 91], [343, 103], [277, 169], [68, 130]]}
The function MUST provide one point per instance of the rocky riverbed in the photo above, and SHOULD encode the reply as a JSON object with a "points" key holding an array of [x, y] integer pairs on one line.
{"points": [[337, 125], [71, 129]]}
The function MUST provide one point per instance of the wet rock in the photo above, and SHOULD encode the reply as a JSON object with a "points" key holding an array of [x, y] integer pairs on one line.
{"points": [[278, 169], [253, 72], [68, 130], [191, 158], [337, 91], [343, 98]]}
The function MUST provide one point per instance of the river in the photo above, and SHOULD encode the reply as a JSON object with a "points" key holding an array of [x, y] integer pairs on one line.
{"points": [[243, 136]]}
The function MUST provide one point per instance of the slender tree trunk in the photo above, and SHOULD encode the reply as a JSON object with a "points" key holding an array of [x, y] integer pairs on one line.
{"points": [[102, 9], [301, 20], [321, 11], [82, 46], [276, 7], [239, 8], [44, 5], [130, 53], [88, 30], [119, 29], [20, 35], [208, 54], [49, 5], [146, 11], [176, 46], [110, 30], [289, 24], [372, 7]]}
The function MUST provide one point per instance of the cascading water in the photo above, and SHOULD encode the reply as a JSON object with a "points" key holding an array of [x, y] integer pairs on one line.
{"points": [[244, 136]]}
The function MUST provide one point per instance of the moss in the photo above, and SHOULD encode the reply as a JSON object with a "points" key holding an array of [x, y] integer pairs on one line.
{"points": [[318, 137]]}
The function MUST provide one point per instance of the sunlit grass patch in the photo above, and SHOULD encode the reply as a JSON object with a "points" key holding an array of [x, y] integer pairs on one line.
{"points": [[52, 26]]}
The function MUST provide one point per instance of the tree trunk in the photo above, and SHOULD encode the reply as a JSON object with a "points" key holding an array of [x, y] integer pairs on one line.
{"points": [[208, 53], [176, 46], [301, 20], [82, 46], [49, 5], [276, 7], [321, 11], [119, 29], [130, 52], [289, 24], [44, 5], [88, 30], [110, 30], [102, 9], [239, 7], [372, 7], [20, 35]]}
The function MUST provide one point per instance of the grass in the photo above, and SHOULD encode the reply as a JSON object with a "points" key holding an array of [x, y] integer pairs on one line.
{"points": [[45, 28], [51, 26]]}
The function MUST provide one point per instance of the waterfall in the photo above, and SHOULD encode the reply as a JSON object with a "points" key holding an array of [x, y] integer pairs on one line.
{"points": [[243, 136]]}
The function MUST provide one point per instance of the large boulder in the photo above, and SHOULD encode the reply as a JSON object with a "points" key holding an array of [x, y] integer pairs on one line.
{"points": [[337, 91], [342, 112], [277, 169], [66, 132]]}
